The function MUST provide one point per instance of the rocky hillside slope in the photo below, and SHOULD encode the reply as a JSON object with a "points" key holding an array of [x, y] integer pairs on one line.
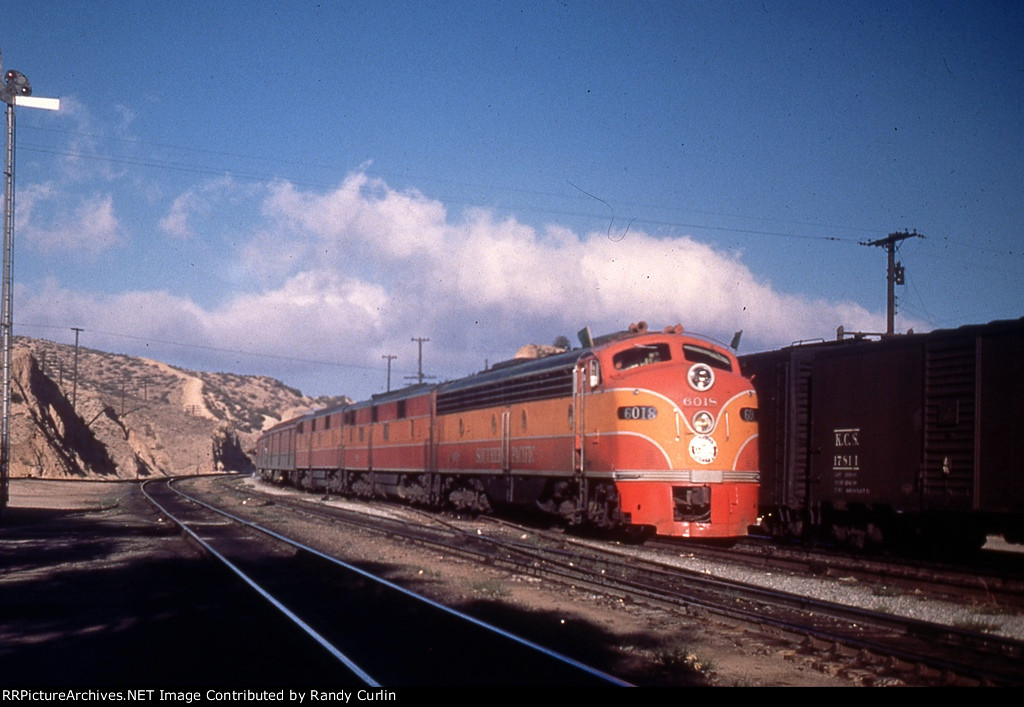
{"points": [[122, 417]]}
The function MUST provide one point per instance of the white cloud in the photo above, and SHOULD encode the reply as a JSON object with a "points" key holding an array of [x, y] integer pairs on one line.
{"points": [[481, 286], [28, 198], [176, 222], [91, 227], [363, 213], [352, 273], [155, 315], [309, 312], [200, 203], [78, 162]]}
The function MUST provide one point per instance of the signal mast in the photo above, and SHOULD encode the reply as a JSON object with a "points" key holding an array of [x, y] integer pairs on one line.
{"points": [[15, 91]]}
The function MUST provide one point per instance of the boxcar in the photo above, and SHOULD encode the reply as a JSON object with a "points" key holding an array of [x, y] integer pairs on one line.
{"points": [[905, 440]]}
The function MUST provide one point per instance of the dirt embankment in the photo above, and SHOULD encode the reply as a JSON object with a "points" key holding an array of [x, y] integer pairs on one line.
{"points": [[121, 417]]}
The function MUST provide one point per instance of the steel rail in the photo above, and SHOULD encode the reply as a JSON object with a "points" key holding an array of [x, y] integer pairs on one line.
{"points": [[309, 630], [573, 567], [526, 643]]}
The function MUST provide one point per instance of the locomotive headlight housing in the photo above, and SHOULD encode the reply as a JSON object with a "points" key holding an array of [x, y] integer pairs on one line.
{"points": [[703, 422], [700, 377]]}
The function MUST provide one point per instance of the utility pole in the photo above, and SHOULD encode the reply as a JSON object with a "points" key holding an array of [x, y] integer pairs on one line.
{"points": [[390, 358], [420, 340], [895, 273], [74, 384]]}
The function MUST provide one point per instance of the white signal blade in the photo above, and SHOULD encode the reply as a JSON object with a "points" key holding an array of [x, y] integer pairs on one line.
{"points": [[33, 102]]}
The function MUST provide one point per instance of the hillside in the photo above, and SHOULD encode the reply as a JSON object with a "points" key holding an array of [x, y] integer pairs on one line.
{"points": [[123, 417]]}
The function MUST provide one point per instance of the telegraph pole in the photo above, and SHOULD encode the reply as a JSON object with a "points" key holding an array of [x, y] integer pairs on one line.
{"points": [[895, 273], [390, 358], [74, 385], [420, 340]]}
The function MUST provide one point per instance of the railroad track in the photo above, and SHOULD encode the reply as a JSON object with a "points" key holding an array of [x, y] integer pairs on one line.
{"points": [[379, 633], [903, 646], [993, 579]]}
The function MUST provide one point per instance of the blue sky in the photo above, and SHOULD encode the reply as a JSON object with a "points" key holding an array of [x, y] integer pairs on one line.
{"points": [[298, 189]]}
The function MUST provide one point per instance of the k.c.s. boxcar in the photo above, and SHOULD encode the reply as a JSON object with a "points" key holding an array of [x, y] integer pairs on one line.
{"points": [[898, 441]]}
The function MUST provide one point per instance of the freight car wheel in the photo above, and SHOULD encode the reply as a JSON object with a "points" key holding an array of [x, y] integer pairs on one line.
{"points": [[968, 541]]}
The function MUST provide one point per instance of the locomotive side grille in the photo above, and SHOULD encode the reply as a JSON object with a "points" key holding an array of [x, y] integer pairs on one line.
{"points": [[949, 425], [543, 385]]}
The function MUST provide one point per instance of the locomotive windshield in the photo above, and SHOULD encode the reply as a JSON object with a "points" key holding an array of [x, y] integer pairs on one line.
{"points": [[699, 354], [641, 356]]}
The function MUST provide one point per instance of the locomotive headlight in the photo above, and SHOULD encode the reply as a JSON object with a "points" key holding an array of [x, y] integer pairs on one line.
{"points": [[703, 422], [700, 377]]}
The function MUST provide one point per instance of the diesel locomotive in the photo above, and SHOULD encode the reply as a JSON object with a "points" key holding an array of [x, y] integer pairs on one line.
{"points": [[639, 431]]}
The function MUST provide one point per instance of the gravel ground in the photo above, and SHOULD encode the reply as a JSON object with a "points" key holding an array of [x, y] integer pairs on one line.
{"points": [[69, 545], [850, 592], [647, 646], [96, 591]]}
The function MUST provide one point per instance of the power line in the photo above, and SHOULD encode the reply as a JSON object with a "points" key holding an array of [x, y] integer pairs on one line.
{"points": [[1009, 257], [256, 176], [217, 349], [277, 160]]}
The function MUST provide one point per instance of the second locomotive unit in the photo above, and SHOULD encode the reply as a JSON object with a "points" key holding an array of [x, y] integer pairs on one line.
{"points": [[641, 431]]}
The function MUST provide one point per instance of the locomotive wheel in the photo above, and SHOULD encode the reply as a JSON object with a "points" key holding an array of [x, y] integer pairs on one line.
{"points": [[603, 506], [362, 487], [470, 497], [636, 534], [414, 490]]}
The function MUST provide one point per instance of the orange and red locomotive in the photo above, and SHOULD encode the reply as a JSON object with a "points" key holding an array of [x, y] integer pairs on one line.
{"points": [[643, 431]]}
